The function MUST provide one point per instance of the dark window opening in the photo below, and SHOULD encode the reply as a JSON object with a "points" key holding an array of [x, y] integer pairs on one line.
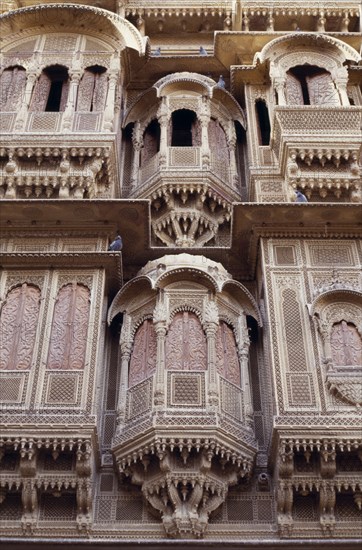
{"points": [[153, 132], [55, 95], [182, 123], [263, 121]]}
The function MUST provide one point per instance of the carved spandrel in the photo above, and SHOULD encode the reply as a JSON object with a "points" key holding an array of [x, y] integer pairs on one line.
{"points": [[143, 359], [186, 343], [346, 345], [68, 338], [18, 324]]}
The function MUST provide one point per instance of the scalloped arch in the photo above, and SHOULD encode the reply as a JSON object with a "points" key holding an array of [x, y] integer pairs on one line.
{"points": [[330, 296], [124, 295], [76, 16], [192, 81], [309, 40], [250, 305]]}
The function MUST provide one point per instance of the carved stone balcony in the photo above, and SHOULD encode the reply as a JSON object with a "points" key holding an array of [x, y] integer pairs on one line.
{"points": [[191, 197], [318, 148]]}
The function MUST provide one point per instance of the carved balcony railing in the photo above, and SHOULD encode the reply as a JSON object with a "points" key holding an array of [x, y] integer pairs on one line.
{"points": [[319, 147]]}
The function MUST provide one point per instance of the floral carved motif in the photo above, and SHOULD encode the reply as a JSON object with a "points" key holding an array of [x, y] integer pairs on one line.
{"points": [[12, 84], [186, 343], [227, 362], [18, 323], [143, 359], [346, 345], [68, 338]]}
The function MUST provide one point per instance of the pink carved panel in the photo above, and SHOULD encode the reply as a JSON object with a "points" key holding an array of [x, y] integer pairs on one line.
{"points": [[346, 345], [41, 93], [217, 140], [143, 359], [100, 92], [196, 133], [85, 91], [186, 343], [293, 90], [321, 90], [18, 324], [68, 339], [5, 83], [12, 85], [149, 148], [227, 361]]}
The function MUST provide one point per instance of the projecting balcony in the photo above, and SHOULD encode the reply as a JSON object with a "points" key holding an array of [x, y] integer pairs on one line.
{"points": [[318, 148]]}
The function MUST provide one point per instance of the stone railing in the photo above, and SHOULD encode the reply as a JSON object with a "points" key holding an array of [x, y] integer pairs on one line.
{"points": [[49, 122]]}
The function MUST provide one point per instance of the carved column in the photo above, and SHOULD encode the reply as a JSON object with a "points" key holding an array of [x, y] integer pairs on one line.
{"points": [[163, 119], [279, 85], [270, 24], [342, 91], [21, 117], [232, 155], [246, 21], [160, 324], [345, 22], [137, 141], [72, 100], [243, 344], [126, 348], [211, 323], [321, 25], [109, 110], [204, 118]]}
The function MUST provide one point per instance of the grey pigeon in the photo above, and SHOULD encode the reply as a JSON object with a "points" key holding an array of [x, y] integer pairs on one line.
{"points": [[221, 82], [117, 244], [202, 51], [300, 197], [157, 52]]}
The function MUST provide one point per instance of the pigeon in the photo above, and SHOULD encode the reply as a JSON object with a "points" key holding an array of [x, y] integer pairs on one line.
{"points": [[202, 51], [117, 244], [157, 52], [221, 82], [300, 197]]}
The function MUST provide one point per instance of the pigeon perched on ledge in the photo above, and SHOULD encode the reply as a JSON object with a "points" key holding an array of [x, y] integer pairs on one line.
{"points": [[300, 197], [157, 52], [117, 244], [221, 82], [202, 51]]}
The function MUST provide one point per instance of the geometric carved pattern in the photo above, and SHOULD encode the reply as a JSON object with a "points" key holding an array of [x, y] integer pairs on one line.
{"points": [[227, 361], [143, 358], [68, 338], [62, 389], [329, 254], [18, 324], [187, 389], [139, 398], [299, 389], [61, 507], [284, 255], [11, 388], [231, 399], [186, 343], [293, 331]]}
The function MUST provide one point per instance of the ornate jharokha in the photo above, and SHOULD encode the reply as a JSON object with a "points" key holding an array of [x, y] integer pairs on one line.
{"points": [[184, 431]]}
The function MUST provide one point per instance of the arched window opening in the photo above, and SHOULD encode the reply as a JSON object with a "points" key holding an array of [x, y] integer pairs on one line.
{"points": [[241, 157], [186, 343], [18, 325], [68, 339], [184, 128], [51, 90], [263, 121], [12, 85], [92, 89], [310, 85], [143, 358], [151, 141], [346, 345], [227, 361]]}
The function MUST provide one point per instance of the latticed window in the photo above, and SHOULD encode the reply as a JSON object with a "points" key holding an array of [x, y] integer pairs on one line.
{"points": [[143, 359], [227, 361], [51, 90], [12, 86], [68, 339], [18, 324], [186, 343], [92, 89], [346, 345]]}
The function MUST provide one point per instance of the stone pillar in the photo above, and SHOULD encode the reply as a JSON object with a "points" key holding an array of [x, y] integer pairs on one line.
{"points": [[68, 115], [109, 110], [126, 348], [232, 154], [341, 86], [160, 324], [211, 323], [270, 24], [21, 117], [163, 119], [204, 118], [279, 85], [243, 344], [137, 141]]}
